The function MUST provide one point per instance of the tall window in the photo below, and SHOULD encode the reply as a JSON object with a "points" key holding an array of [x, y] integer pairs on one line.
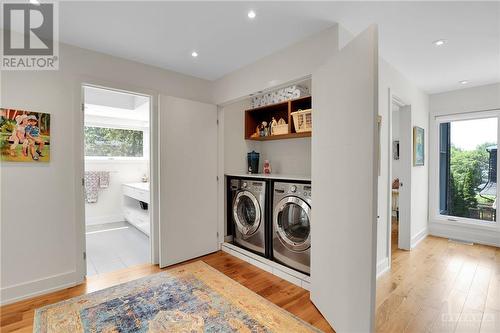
{"points": [[468, 169]]}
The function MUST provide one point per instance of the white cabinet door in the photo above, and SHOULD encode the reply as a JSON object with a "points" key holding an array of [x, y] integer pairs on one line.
{"points": [[188, 179], [344, 185]]}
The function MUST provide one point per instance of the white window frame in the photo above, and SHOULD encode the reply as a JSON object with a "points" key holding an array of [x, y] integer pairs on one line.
{"points": [[434, 183], [145, 143]]}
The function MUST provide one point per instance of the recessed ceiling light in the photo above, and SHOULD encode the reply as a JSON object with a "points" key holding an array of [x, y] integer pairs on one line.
{"points": [[251, 14], [194, 54], [35, 2], [439, 42], [464, 82]]}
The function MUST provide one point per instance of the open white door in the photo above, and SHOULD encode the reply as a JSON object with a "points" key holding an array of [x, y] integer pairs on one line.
{"points": [[344, 182], [188, 179]]}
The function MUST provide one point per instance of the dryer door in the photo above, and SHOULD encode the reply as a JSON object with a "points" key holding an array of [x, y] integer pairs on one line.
{"points": [[292, 221], [246, 213]]}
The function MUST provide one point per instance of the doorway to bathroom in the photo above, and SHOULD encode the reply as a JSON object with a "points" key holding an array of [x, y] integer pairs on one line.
{"points": [[117, 167], [399, 231]]}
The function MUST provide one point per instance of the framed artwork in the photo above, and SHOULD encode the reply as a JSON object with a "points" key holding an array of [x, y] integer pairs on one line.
{"points": [[24, 136], [418, 146]]}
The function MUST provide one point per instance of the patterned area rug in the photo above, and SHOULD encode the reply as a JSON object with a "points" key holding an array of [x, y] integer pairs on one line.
{"points": [[190, 298]]}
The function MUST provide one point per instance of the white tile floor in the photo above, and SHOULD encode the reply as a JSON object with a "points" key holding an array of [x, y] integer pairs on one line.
{"points": [[115, 246]]}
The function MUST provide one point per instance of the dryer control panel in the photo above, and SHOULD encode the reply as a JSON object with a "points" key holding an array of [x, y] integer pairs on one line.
{"points": [[293, 189]]}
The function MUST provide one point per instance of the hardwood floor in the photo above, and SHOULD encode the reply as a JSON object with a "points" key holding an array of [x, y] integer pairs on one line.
{"points": [[440, 286], [18, 317]]}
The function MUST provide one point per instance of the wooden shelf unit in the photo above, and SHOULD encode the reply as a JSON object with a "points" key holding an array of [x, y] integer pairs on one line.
{"points": [[253, 117]]}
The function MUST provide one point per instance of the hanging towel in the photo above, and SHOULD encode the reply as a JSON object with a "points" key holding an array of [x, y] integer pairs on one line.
{"points": [[91, 180], [103, 179], [95, 180]]}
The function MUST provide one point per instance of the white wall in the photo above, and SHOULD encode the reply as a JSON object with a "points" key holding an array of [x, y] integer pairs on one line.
{"points": [[109, 205], [42, 234], [289, 157], [467, 100], [232, 132], [289, 64], [390, 78]]}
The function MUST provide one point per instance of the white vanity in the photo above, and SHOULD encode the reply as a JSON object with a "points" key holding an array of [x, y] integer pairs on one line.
{"points": [[136, 205]]}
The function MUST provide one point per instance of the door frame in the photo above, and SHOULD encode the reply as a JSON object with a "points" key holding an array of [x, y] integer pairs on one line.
{"points": [[393, 98], [79, 159]]}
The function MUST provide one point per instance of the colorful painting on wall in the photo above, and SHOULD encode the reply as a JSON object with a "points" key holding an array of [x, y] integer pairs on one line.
{"points": [[24, 136], [418, 146]]}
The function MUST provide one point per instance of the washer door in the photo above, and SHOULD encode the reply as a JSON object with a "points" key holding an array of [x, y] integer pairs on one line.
{"points": [[292, 221], [246, 213]]}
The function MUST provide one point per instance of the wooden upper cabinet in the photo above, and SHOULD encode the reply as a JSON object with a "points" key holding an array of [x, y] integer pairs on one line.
{"points": [[254, 117]]}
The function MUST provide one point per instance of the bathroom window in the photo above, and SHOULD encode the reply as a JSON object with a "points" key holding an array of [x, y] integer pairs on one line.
{"points": [[114, 142], [468, 169]]}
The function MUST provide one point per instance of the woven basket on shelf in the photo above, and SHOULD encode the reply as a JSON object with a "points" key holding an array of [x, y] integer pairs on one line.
{"points": [[280, 128], [302, 120]]}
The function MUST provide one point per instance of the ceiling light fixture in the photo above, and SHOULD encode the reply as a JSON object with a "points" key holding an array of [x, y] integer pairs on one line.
{"points": [[439, 42], [194, 54], [251, 14], [35, 2], [464, 82]]}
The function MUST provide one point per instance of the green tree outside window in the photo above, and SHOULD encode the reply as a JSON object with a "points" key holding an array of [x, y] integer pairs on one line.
{"points": [[113, 142]]}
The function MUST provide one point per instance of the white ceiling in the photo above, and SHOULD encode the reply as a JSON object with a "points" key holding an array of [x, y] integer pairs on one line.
{"points": [[165, 33]]}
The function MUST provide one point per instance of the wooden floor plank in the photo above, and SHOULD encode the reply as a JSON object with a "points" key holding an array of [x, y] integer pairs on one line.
{"points": [[440, 286]]}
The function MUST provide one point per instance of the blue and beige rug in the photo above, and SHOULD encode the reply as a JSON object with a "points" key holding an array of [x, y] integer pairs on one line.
{"points": [[190, 298]]}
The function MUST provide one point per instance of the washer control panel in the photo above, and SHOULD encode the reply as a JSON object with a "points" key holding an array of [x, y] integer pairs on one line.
{"points": [[248, 184]]}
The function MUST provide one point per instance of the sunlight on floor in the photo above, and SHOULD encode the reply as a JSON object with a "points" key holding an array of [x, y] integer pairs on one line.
{"points": [[115, 246]]}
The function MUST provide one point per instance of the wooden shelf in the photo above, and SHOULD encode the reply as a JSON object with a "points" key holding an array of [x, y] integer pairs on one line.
{"points": [[282, 137], [254, 117]]}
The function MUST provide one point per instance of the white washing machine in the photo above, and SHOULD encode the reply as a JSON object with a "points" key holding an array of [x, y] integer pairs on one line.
{"points": [[248, 214], [292, 225]]}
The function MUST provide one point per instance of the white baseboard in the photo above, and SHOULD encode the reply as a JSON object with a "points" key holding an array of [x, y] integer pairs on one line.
{"points": [[292, 276], [465, 233], [104, 219], [420, 236], [21, 291], [382, 266]]}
